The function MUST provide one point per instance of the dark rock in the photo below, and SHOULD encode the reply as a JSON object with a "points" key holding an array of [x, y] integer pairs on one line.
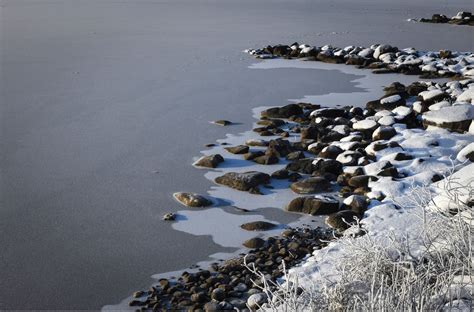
{"points": [[295, 155], [222, 122], [314, 205], [342, 220], [266, 160], [357, 203], [283, 112], [331, 151], [258, 226], [211, 161], [169, 216], [311, 132], [255, 242], [243, 181], [384, 133], [304, 165], [218, 294], [311, 185], [253, 155], [281, 174], [192, 200], [403, 156], [328, 166], [281, 50], [329, 113], [361, 181], [239, 149], [415, 88]]}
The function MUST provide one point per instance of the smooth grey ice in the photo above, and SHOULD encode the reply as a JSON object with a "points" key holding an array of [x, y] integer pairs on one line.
{"points": [[103, 105]]}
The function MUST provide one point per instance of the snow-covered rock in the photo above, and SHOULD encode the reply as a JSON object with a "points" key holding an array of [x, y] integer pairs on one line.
{"points": [[455, 118]]}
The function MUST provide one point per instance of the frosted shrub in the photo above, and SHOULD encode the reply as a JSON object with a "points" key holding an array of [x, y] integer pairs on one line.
{"points": [[429, 269]]}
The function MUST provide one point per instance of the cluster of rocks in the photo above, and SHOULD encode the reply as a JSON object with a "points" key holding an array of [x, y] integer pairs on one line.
{"points": [[340, 149], [380, 58], [230, 286], [461, 18]]}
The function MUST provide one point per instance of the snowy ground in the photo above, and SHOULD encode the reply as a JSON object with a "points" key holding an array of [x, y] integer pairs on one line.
{"points": [[105, 103]]}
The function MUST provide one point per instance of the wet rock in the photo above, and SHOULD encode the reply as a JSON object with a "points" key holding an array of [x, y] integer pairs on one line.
{"points": [[239, 149], [169, 217], [283, 112], [255, 242], [311, 186], [211, 161], [314, 205], [192, 199], [342, 220], [243, 181], [258, 226]]}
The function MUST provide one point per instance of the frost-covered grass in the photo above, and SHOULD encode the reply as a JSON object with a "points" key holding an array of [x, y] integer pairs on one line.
{"points": [[428, 268]]}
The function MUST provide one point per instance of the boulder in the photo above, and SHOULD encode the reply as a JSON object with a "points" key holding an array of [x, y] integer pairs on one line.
{"points": [[456, 118], [384, 133], [342, 220], [304, 165], [283, 112], [361, 181], [210, 161], [324, 166], [314, 205], [331, 151], [311, 186], [243, 181], [258, 226], [192, 199], [239, 149], [255, 242]]}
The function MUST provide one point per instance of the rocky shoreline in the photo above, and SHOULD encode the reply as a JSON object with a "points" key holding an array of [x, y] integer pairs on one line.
{"points": [[355, 154], [461, 18]]}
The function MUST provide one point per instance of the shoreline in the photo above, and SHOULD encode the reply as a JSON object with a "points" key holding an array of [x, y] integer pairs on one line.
{"points": [[365, 190]]}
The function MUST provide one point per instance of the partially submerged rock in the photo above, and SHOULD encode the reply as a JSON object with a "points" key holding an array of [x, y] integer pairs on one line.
{"points": [[239, 149], [314, 205], [258, 226], [311, 186], [192, 199], [245, 181], [210, 161]]}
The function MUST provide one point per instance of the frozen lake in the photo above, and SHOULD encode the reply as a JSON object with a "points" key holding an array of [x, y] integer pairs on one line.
{"points": [[104, 104]]}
